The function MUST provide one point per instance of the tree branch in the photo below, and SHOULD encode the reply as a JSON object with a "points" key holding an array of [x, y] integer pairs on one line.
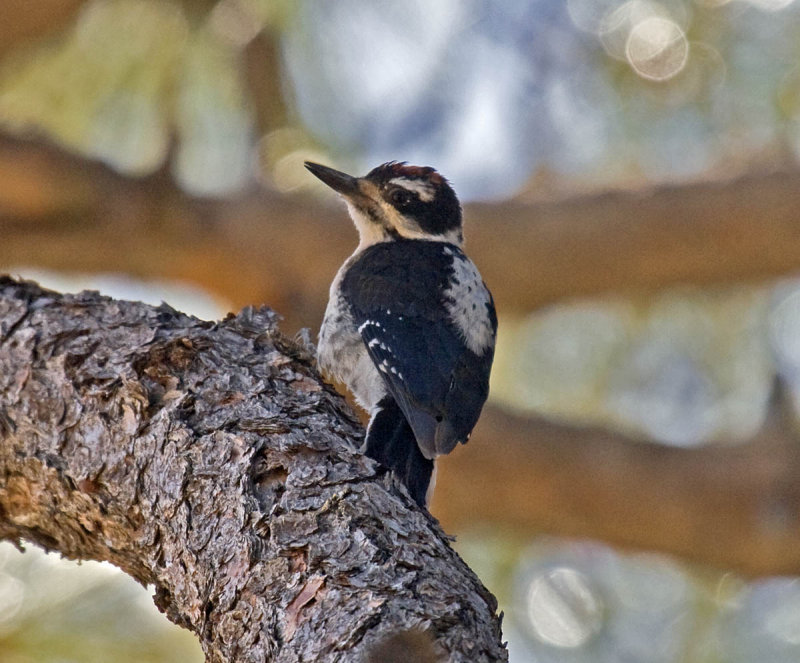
{"points": [[209, 460]]}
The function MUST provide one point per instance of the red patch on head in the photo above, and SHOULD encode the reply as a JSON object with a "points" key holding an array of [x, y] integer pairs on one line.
{"points": [[403, 170]]}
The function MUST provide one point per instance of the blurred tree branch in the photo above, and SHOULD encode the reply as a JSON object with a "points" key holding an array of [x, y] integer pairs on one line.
{"points": [[23, 21], [736, 507], [209, 460], [63, 212]]}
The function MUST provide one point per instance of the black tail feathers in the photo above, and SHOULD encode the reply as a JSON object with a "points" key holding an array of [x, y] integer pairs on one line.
{"points": [[391, 442]]}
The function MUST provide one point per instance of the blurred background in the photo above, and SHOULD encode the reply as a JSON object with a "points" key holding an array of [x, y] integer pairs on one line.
{"points": [[632, 196]]}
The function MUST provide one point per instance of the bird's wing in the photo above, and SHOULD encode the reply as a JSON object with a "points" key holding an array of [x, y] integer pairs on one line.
{"points": [[439, 384]]}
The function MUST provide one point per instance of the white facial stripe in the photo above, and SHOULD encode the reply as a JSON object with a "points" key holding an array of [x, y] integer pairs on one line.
{"points": [[408, 228], [424, 190], [370, 232]]}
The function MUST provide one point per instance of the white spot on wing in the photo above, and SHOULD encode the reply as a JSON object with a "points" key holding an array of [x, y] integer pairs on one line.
{"points": [[368, 323]]}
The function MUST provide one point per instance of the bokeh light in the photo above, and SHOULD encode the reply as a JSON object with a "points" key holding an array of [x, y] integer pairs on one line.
{"points": [[657, 48], [563, 609], [585, 602]]}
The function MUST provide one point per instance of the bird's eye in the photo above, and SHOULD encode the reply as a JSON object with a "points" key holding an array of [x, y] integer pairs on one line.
{"points": [[401, 197]]}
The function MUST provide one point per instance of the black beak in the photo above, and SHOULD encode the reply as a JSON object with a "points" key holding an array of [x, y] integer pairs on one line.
{"points": [[345, 184]]}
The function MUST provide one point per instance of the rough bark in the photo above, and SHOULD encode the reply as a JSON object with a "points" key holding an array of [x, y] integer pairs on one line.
{"points": [[209, 460]]}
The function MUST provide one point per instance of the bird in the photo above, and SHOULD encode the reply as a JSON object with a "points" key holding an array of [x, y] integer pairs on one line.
{"points": [[410, 326]]}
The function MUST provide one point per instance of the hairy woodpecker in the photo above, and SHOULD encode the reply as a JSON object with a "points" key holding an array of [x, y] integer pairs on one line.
{"points": [[410, 326]]}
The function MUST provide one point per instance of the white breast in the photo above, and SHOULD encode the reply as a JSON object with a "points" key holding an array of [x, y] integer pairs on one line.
{"points": [[341, 354]]}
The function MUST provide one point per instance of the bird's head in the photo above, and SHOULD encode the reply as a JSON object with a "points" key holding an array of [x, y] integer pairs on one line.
{"points": [[396, 200]]}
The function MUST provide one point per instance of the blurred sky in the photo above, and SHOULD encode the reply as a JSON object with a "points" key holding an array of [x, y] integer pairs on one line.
{"points": [[597, 89]]}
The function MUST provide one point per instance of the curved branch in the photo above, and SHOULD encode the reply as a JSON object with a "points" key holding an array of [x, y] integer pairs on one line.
{"points": [[209, 460]]}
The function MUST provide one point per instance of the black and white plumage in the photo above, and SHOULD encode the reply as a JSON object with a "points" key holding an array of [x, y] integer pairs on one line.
{"points": [[410, 326]]}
